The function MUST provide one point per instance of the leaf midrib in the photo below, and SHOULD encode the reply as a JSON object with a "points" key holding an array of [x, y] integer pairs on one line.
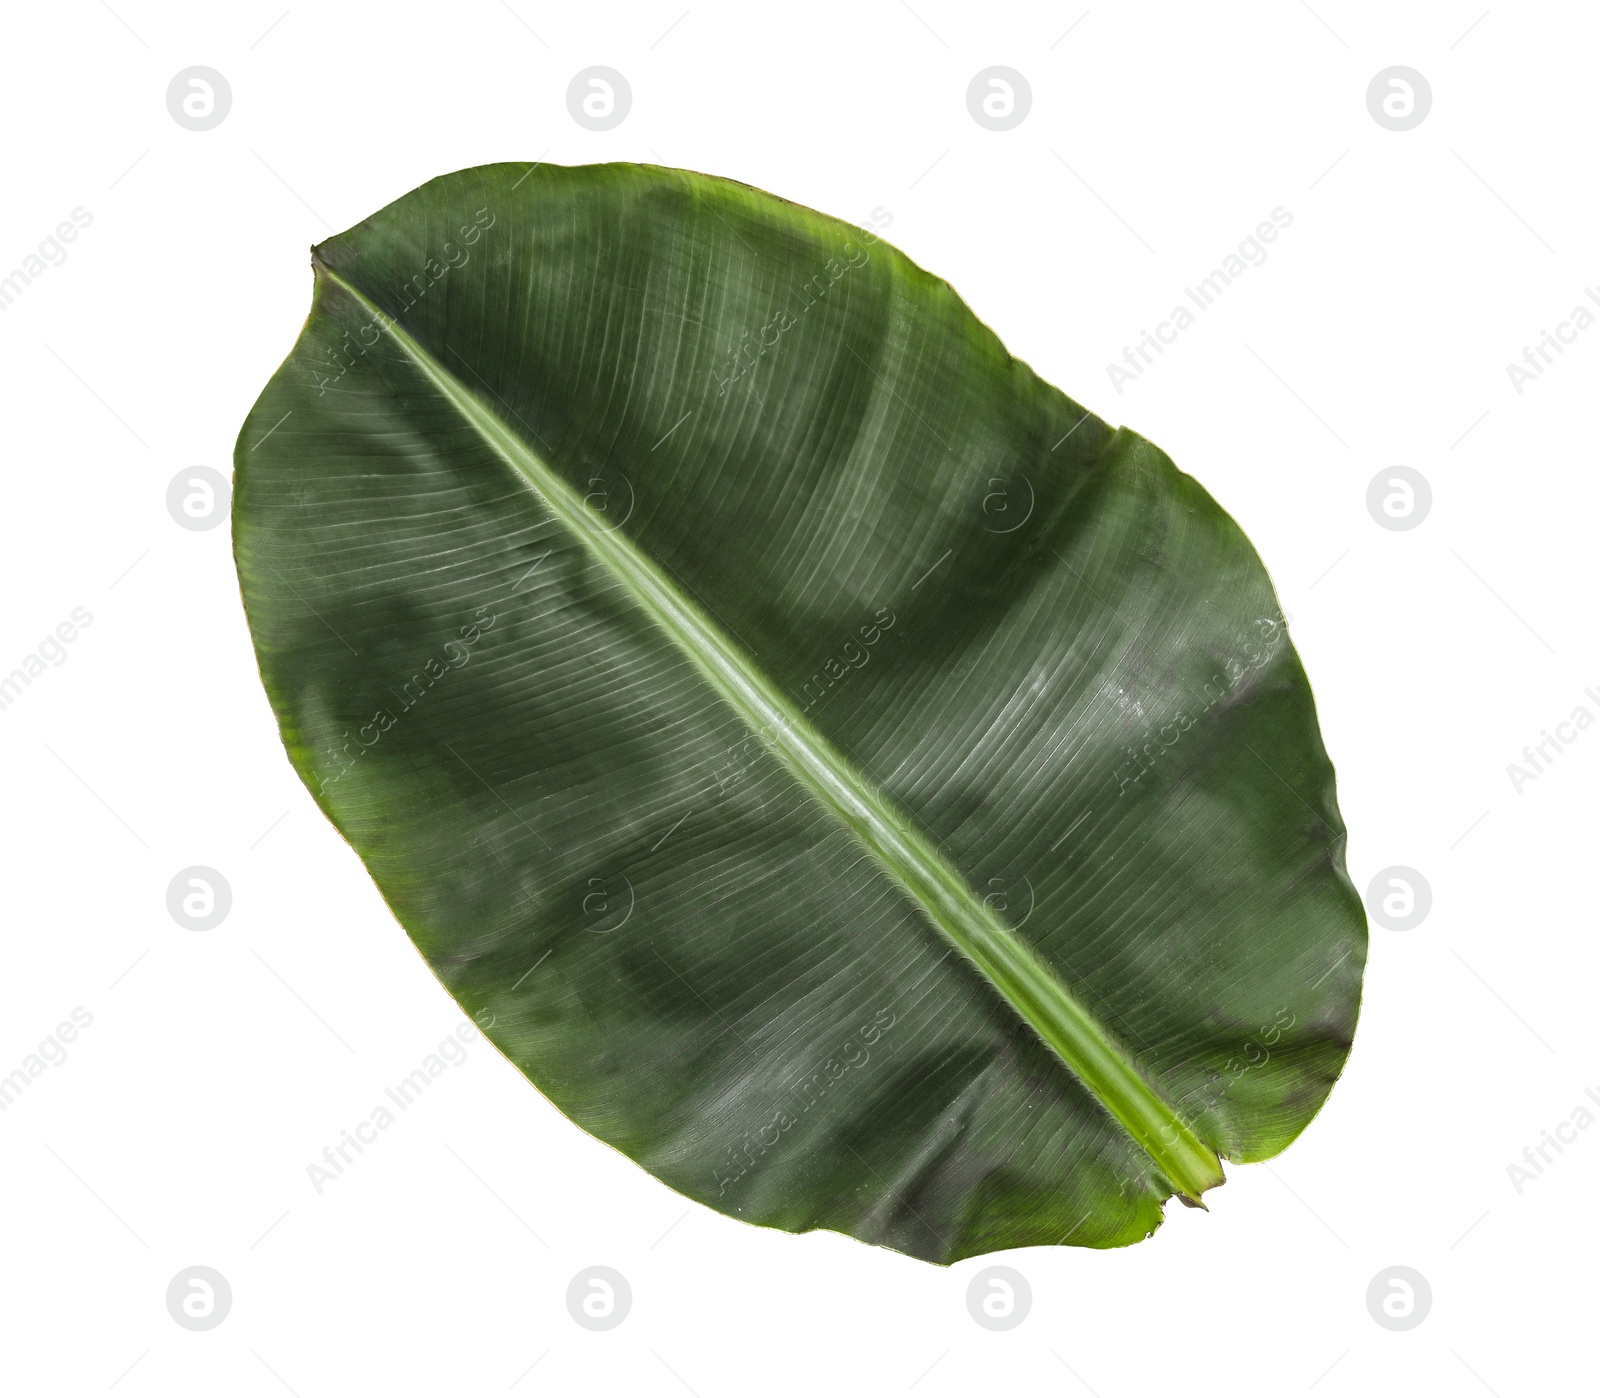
{"points": [[1015, 971]]}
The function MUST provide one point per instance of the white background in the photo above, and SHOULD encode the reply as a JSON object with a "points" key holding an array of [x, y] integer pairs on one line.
{"points": [[1418, 264]]}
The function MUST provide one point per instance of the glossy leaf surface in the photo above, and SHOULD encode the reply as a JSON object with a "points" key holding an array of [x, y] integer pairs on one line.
{"points": [[857, 783]]}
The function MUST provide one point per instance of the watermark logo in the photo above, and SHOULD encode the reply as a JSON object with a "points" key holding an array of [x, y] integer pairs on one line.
{"points": [[599, 1298], [1399, 498], [599, 98], [199, 1298], [1010, 898], [1398, 898], [1399, 1298], [999, 1298], [199, 99], [999, 99], [607, 902], [198, 898], [1006, 510], [609, 502], [1399, 99], [197, 498]]}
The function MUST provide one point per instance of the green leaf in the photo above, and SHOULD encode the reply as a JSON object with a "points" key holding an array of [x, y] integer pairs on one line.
{"points": [[844, 774]]}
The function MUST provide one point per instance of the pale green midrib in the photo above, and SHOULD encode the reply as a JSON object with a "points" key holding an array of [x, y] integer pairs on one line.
{"points": [[1020, 976]]}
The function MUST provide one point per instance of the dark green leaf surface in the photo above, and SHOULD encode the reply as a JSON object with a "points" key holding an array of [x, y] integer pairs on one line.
{"points": [[858, 783]]}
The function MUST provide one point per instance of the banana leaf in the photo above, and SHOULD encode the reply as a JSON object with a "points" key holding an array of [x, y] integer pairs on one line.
{"points": [[840, 771]]}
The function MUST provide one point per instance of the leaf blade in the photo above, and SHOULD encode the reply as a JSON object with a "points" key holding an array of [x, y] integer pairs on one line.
{"points": [[1098, 443]]}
